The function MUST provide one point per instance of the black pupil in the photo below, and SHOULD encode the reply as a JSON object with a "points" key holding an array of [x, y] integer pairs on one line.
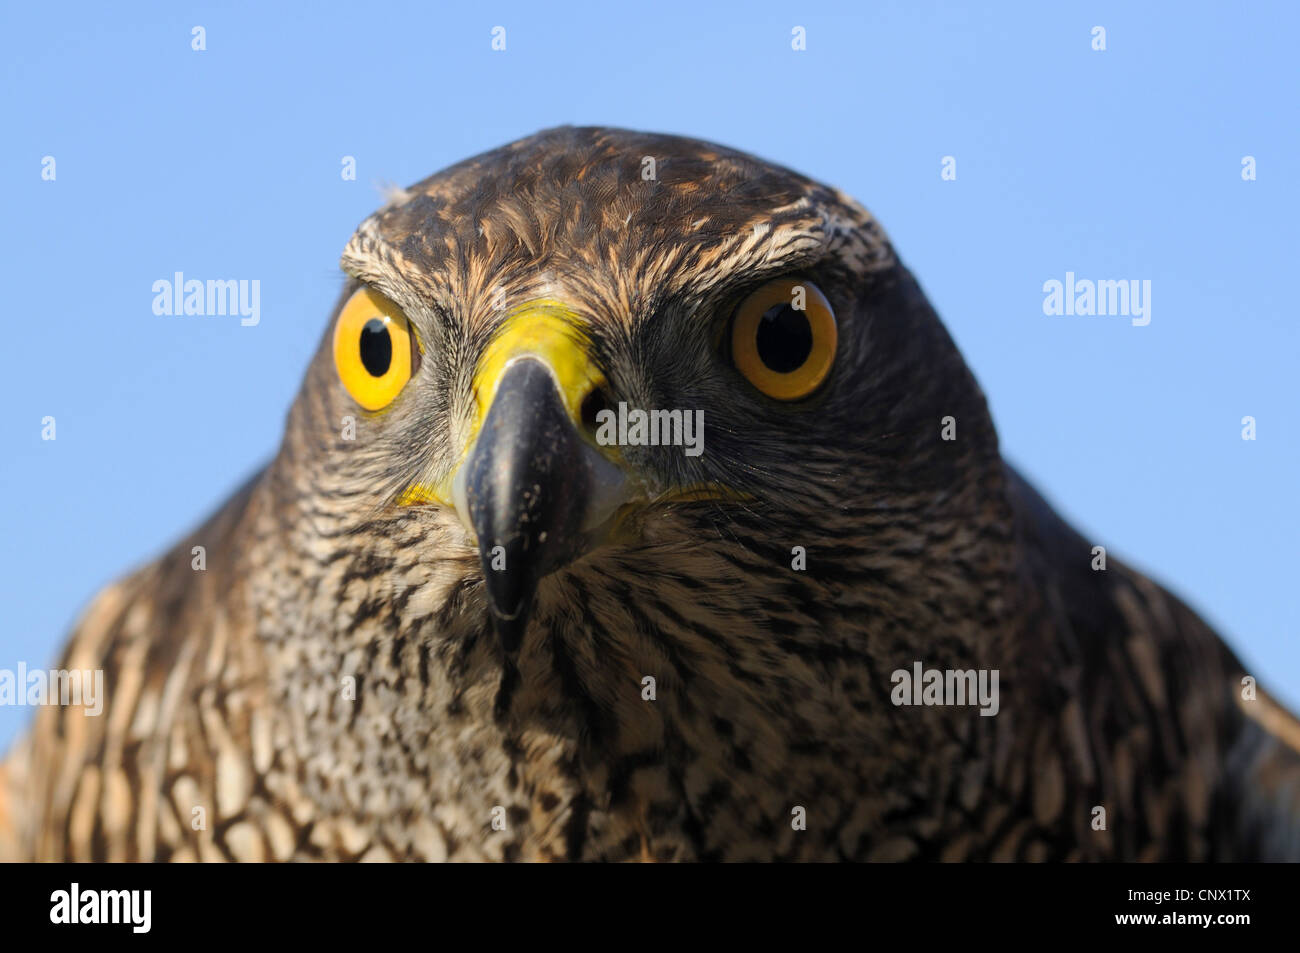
{"points": [[376, 347], [784, 338]]}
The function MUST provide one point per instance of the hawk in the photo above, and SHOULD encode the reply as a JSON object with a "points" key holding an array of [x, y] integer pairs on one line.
{"points": [[464, 615]]}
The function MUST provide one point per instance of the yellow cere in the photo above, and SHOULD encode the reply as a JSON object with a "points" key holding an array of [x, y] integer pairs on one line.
{"points": [[547, 330]]}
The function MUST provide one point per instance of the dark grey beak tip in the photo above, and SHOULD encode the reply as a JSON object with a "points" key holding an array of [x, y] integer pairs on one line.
{"points": [[526, 490]]}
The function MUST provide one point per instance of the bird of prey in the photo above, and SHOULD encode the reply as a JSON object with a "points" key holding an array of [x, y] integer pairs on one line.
{"points": [[452, 621]]}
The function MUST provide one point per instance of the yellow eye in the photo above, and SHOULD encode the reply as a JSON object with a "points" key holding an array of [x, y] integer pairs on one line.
{"points": [[375, 349], [783, 338]]}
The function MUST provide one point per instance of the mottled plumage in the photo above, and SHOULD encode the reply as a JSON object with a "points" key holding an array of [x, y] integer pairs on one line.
{"points": [[773, 684]]}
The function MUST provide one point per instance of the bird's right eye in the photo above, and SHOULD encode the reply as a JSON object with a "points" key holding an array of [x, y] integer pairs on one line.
{"points": [[375, 349]]}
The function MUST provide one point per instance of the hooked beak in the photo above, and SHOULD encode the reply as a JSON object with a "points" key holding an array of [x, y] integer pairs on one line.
{"points": [[534, 492]]}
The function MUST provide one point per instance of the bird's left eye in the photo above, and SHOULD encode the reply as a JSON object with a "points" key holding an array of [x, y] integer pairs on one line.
{"points": [[375, 349], [783, 338]]}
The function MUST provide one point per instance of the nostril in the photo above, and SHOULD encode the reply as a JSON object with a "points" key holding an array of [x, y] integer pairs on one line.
{"points": [[592, 405]]}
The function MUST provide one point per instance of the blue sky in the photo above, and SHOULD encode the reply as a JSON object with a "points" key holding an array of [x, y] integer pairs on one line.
{"points": [[226, 163]]}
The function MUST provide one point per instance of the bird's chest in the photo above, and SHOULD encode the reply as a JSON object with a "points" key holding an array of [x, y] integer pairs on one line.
{"points": [[416, 772], [416, 744]]}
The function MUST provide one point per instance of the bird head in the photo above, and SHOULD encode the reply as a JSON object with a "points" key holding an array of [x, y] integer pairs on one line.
{"points": [[507, 322]]}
